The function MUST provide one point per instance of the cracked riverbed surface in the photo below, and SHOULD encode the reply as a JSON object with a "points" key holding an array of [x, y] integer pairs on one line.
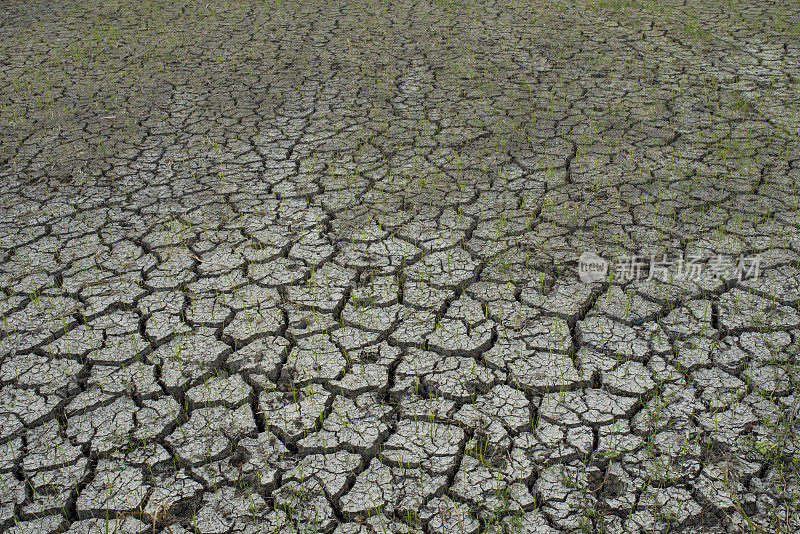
{"points": [[313, 267]]}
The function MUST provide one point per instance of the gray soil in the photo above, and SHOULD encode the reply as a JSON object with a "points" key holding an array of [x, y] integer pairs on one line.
{"points": [[313, 266]]}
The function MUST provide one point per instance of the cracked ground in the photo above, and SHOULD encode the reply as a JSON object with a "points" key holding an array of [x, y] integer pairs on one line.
{"points": [[313, 267]]}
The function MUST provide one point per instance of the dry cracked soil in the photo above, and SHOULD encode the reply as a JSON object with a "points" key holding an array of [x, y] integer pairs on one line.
{"points": [[314, 266]]}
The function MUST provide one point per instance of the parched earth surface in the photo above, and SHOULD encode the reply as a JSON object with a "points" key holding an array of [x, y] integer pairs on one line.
{"points": [[313, 266]]}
